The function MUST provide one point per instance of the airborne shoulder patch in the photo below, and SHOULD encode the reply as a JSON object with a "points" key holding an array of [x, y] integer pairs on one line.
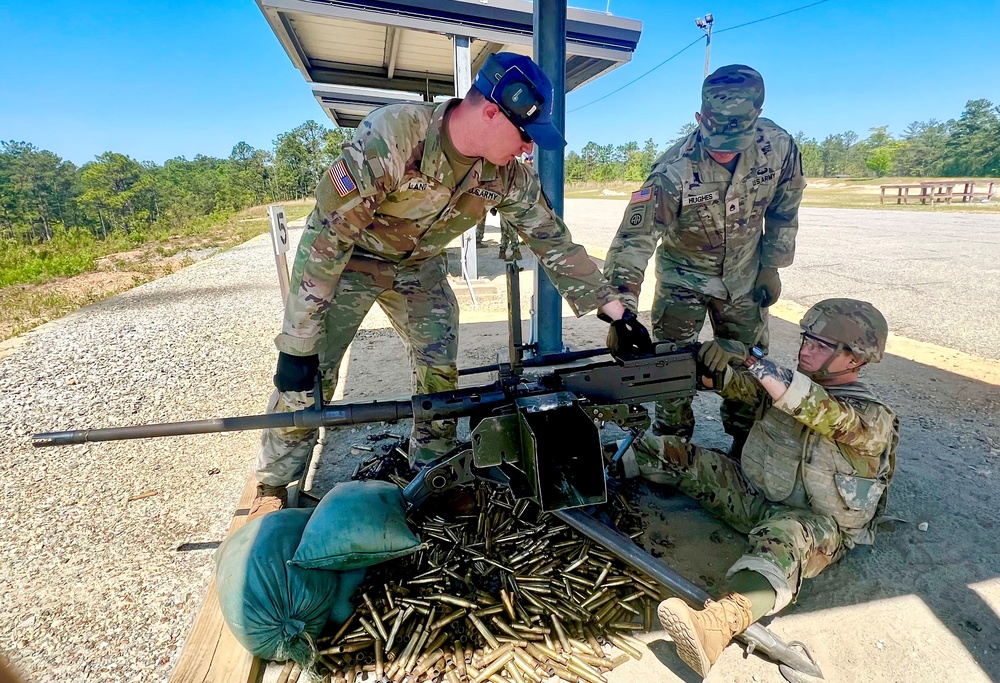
{"points": [[342, 179]]}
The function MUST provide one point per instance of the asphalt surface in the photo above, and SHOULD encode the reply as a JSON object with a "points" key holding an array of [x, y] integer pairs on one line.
{"points": [[934, 275]]}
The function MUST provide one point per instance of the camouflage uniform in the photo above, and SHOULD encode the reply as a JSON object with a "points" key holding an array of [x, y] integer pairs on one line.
{"points": [[508, 239], [715, 230], [814, 476], [385, 211]]}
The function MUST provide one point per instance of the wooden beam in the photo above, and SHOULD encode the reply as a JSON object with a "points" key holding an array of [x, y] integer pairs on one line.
{"points": [[211, 652]]}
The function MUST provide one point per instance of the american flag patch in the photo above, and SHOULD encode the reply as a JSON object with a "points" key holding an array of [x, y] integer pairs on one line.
{"points": [[342, 179], [641, 195]]}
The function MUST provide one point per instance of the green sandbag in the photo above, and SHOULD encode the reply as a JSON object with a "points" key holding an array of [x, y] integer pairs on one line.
{"points": [[274, 609], [357, 524]]}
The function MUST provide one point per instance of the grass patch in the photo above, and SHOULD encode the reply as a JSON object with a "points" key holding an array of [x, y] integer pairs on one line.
{"points": [[839, 193], [43, 282]]}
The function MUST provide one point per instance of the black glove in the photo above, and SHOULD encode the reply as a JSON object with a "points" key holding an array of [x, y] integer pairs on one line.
{"points": [[767, 287], [296, 373], [628, 338], [718, 353]]}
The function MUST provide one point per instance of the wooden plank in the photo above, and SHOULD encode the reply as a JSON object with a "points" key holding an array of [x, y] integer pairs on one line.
{"points": [[211, 652]]}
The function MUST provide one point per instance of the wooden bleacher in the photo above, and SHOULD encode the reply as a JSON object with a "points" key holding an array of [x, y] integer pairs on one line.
{"points": [[939, 191], [211, 652]]}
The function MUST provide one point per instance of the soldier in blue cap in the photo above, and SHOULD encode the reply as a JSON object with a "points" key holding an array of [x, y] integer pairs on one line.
{"points": [[415, 177]]}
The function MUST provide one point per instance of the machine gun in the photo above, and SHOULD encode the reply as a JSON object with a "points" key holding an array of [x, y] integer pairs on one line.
{"points": [[537, 433]]}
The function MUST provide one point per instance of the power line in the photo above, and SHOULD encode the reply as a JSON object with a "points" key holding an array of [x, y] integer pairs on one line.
{"points": [[691, 44], [773, 16], [676, 54]]}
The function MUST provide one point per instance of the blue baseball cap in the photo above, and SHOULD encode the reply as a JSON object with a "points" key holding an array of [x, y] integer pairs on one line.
{"points": [[524, 94]]}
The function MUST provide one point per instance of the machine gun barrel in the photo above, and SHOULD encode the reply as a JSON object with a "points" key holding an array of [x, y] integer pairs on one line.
{"points": [[669, 372], [330, 416]]}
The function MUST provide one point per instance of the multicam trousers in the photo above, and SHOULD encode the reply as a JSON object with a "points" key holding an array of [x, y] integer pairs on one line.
{"points": [[678, 316], [787, 544], [422, 308]]}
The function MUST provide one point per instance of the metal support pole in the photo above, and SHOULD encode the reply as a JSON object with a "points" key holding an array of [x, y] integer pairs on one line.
{"points": [[708, 49], [550, 53], [463, 81]]}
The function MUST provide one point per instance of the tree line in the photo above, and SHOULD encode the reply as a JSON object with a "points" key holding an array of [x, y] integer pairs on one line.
{"points": [[966, 146], [42, 195]]}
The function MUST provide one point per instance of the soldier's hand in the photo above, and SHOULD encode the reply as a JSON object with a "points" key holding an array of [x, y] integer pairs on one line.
{"points": [[718, 353], [628, 338], [296, 373], [767, 287]]}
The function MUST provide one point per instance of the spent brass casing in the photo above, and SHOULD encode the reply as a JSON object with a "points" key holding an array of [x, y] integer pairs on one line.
{"points": [[578, 666], [348, 647], [379, 660], [403, 616], [603, 575], [452, 600], [514, 671], [624, 646], [370, 628], [343, 627], [483, 630], [560, 632], [375, 616], [448, 618], [494, 667]]}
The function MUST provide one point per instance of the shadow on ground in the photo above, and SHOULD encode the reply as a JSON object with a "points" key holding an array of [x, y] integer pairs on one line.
{"points": [[945, 477]]}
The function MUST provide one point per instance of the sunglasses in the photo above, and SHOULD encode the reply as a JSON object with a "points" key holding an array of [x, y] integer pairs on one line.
{"points": [[808, 340]]}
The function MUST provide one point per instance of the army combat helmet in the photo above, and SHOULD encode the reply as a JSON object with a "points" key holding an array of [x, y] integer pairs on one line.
{"points": [[853, 325]]}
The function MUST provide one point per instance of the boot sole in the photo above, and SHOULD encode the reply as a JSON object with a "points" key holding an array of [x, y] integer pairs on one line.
{"points": [[676, 620]]}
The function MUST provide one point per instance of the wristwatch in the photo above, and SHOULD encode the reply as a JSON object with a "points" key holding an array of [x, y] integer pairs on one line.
{"points": [[753, 356]]}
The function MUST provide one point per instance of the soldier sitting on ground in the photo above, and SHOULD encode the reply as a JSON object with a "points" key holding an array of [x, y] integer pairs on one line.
{"points": [[814, 475]]}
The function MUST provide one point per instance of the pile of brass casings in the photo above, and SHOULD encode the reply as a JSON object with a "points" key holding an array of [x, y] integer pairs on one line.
{"points": [[500, 593]]}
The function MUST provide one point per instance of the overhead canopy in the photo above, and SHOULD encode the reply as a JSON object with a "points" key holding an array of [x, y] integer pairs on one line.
{"points": [[347, 106], [406, 46]]}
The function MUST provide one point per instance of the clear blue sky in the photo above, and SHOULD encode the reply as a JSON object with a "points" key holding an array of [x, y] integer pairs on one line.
{"points": [[158, 79]]}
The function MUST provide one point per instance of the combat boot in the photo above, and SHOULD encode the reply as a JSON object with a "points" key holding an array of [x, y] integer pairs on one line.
{"points": [[268, 499], [702, 635], [516, 254]]}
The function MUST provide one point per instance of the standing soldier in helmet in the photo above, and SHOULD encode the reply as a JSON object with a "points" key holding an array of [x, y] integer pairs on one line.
{"points": [[415, 177], [723, 204], [814, 475]]}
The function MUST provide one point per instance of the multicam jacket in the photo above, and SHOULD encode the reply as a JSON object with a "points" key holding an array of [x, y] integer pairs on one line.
{"points": [[831, 450], [391, 199], [717, 230]]}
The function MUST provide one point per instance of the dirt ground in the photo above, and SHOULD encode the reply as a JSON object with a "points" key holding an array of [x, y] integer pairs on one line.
{"points": [[918, 606]]}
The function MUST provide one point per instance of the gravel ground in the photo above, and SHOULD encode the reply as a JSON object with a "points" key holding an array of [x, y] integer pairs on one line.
{"points": [[935, 276], [94, 587]]}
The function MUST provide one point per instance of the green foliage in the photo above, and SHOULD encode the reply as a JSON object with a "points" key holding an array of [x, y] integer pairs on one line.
{"points": [[56, 219]]}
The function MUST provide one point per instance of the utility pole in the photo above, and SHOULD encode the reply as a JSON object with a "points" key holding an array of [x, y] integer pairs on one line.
{"points": [[706, 26]]}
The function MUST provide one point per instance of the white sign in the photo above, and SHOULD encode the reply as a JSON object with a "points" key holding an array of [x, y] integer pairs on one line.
{"points": [[279, 238], [279, 228]]}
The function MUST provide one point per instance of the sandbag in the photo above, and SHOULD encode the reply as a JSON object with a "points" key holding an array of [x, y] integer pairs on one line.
{"points": [[276, 610], [357, 524]]}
